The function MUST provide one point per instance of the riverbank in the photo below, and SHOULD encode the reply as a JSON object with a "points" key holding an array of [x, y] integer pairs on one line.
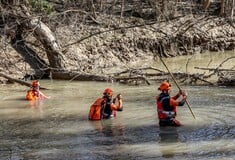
{"points": [[101, 49]]}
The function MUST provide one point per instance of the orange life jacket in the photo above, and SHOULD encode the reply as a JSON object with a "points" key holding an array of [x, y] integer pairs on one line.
{"points": [[31, 95], [166, 107], [96, 110], [103, 108]]}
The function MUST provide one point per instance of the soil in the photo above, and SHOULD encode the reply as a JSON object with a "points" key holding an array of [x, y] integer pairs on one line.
{"points": [[130, 42]]}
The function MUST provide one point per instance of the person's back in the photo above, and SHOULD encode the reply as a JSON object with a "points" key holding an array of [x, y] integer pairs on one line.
{"points": [[31, 95], [34, 93], [96, 110], [104, 108]]}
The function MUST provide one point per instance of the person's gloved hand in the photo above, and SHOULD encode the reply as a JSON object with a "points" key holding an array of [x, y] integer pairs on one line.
{"points": [[184, 93], [120, 109], [119, 96], [114, 100]]}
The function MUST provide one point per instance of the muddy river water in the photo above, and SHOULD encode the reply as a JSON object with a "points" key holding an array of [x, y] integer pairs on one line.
{"points": [[59, 129]]}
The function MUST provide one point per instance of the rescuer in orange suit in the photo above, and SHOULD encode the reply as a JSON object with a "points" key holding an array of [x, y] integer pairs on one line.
{"points": [[167, 106], [34, 93], [104, 108]]}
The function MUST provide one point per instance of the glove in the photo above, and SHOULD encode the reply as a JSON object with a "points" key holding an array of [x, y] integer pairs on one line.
{"points": [[119, 96], [120, 109], [184, 93], [114, 100]]}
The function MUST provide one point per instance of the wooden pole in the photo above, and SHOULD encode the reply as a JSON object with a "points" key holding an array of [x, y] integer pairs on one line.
{"points": [[177, 85]]}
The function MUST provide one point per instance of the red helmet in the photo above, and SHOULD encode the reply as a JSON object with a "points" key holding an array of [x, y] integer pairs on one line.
{"points": [[108, 92], [35, 83], [165, 86]]}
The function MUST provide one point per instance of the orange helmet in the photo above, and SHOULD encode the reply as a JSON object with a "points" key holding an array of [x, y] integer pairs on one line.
{"points": [[165, 86], [108, 92], [35, 83]]}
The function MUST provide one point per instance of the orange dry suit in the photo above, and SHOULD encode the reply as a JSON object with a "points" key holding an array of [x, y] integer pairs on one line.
{"points": [[32, 95], [167, 108], [104, 108]]}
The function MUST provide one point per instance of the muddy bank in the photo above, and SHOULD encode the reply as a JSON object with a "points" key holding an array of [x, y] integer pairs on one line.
{"points": [[100, 49], [128, 44]]}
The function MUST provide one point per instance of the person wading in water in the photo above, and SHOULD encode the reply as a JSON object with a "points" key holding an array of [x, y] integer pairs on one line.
{"points": [[167, 106], [104, 108], [34, 93]]}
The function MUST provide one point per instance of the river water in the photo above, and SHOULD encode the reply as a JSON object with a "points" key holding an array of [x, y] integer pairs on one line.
{"points": [[58, 128]]}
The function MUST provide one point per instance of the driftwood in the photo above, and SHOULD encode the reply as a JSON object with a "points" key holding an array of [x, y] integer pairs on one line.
{"points": [[225, 76], [148, 74], [137, 76], [132, 79], [69, 75], [226, 81], [214, 69], [14, 80]]}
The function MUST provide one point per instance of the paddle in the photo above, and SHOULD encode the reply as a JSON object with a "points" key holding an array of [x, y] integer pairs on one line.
{"points": [[177, 85]]}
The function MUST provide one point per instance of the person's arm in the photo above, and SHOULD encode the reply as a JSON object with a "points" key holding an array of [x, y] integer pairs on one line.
{"points": [[174, 103], [178, 95], [182, 102], [43, 95], [118, 107], [183, 99]]}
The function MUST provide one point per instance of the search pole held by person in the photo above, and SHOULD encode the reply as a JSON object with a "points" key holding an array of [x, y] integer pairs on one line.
{"points": [[177, 85]]}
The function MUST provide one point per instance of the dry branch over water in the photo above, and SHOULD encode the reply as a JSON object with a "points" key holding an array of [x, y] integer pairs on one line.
{"points": [[85, 40]]}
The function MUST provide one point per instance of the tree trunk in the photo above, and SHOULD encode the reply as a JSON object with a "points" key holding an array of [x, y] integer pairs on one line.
{"points": [[206, 4], [30, 56], [46, 37], [15, 80], [164, 6], [232, 10], [48, 40]]}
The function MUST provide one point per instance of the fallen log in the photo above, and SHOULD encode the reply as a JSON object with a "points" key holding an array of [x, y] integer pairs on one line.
{"points": [[137, 78], [222, 81], [137, 71], [155, 74], [68, 75], [214, 69], [15, 80]]}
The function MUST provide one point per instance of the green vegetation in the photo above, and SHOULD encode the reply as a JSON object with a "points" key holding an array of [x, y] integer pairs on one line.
{"points": [[41, 6]]}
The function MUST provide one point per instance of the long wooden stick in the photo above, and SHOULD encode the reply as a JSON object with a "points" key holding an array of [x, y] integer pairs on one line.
{"points": [[177, 85]]}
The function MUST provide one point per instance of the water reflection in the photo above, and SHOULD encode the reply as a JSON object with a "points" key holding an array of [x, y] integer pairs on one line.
{"points": [[36, 108], [168, 136], [108, 127]]}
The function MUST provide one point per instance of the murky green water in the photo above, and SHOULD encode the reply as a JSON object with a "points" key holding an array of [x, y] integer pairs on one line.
{"points": [[58, 128]]}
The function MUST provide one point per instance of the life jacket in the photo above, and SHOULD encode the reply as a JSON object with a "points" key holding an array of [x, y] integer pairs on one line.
{"points": [[95, 110], [165, 110], [32, 95], [107, 112], [100, 109]]}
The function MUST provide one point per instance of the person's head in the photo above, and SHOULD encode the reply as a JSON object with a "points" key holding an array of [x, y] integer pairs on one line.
{"points": [[35, 85], [108, 93], [165, 87]]}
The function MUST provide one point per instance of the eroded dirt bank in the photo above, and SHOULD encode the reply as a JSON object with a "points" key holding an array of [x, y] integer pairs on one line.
{"points": [[99, 49]]}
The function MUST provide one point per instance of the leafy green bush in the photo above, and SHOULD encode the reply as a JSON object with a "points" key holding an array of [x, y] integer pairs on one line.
{"points": [[41, 6]]}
